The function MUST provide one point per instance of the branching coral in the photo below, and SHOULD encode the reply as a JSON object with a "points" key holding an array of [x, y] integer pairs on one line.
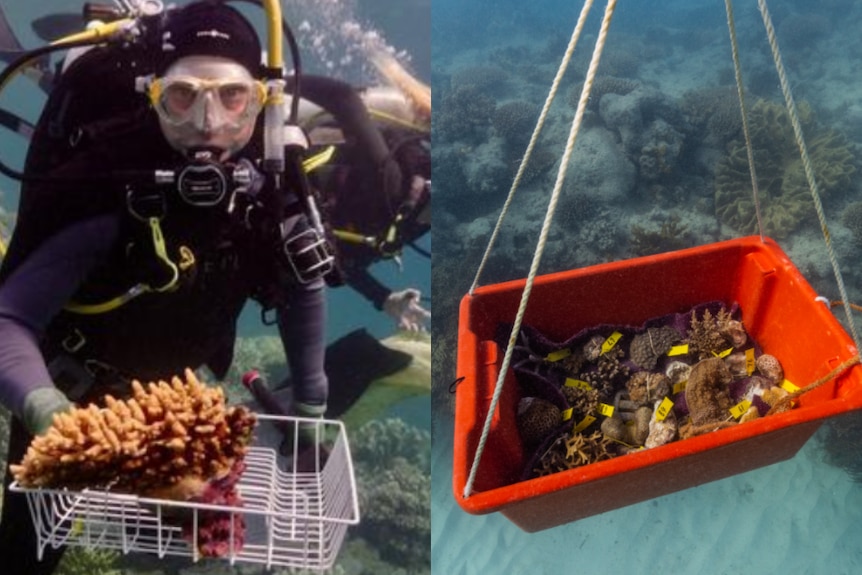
{"points": [[783, 188], [572, 450], [711, 334], [173, 440], [609, 373], [164, 433]]}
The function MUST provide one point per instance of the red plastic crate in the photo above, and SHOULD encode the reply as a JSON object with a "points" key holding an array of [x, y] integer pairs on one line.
{"points": [[779, 312]]}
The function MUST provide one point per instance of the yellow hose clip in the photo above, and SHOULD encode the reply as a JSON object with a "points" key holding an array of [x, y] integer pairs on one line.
{"points": [[162, 254]]}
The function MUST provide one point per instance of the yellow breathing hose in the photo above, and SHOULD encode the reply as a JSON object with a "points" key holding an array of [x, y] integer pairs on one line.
{"points": [[274, 54]]}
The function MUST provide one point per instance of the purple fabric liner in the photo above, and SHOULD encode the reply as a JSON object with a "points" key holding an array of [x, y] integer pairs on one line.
{"points": [[545, 379]]}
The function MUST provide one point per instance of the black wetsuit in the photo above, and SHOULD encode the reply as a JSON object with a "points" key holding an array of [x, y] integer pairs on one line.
{"points": [[152, 336]]}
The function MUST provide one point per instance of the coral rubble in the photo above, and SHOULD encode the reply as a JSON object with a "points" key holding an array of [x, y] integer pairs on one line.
{"points": [[619, 389]]}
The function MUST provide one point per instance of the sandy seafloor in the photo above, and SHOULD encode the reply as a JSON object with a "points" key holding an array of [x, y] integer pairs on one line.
{"points": [[799, 516]]}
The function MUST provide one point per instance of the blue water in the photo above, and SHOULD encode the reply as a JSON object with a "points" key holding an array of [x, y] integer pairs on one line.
{"points": [[798, 516]]}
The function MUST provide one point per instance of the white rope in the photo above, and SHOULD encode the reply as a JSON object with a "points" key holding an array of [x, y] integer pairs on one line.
{"points": [[576, 34], [737, 69], [806, 163], [543, 236]]}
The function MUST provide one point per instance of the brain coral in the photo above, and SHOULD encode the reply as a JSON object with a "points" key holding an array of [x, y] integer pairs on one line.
{"points": [[784, 196]]}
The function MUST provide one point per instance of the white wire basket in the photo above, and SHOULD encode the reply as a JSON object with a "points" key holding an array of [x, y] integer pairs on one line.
{"points": [[293, 518]]}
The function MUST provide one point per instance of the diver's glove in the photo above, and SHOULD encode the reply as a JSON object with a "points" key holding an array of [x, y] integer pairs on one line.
{"points": [[403, 306], [40, 405]]}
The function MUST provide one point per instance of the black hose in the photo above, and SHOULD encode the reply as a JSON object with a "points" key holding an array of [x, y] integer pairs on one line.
{"points": [[22, 61]]}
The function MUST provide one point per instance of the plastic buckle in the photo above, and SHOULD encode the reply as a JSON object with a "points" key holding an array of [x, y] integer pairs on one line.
{"points": [[309, 255], [74, 341]]}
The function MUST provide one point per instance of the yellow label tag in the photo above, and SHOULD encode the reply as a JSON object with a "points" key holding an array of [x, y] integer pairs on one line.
{"points": [[583, 424], [681, 349], [77, 527], [749, 360], [723, 354], [567, 414], [740, 408], [663, 409], [611, 341], [606, 410], [559, 354], [679, 387], [571, 382], [789, 387]]}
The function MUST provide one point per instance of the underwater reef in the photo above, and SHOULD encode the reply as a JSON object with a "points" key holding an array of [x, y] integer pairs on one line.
{"points": [[393, 475], [785, 199]]}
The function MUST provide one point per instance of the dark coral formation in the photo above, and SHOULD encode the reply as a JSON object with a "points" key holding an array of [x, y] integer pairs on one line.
{"points": [[646, 387], [536, 419], [583, 402], [785, 200], [713, 112], [601, 85], [852, 218], [465, 115], [671, 235], [488, 79], [707, 392], [648, 346], [514, 122], [609, 373]]}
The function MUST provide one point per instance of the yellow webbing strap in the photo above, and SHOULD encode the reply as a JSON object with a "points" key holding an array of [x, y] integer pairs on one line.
{"points": [[318, 159], [354, 238], [187, 260]]}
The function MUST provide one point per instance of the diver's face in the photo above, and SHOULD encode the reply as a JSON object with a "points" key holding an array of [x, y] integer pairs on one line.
{"points": [[207, 102]]}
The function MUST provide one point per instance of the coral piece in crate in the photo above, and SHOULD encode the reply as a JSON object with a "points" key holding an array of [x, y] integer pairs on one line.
{"points": [[176, 440], [627, 388]]}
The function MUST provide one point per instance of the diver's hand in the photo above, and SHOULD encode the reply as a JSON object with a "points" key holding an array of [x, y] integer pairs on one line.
{"points": [[403, 306], [40, 405]]}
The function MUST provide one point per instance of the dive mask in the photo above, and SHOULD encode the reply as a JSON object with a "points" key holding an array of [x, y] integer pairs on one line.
{"points": [[207, 104]]}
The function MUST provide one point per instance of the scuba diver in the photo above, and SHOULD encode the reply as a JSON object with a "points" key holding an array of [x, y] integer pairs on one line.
{"points": [[164, 188], [377, 201]]}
